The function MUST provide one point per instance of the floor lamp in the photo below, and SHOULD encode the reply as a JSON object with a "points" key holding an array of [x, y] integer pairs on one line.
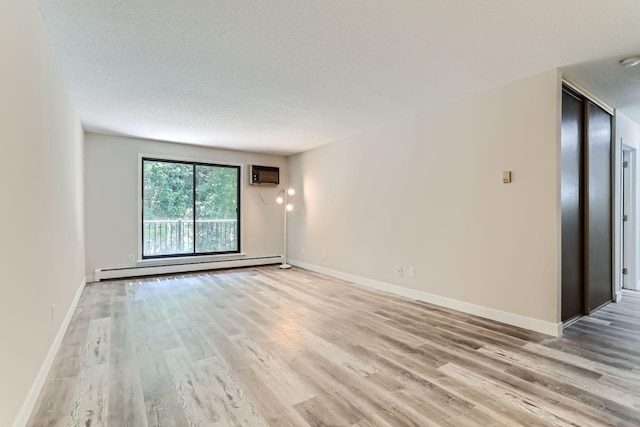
{"points": [[282, 199]]}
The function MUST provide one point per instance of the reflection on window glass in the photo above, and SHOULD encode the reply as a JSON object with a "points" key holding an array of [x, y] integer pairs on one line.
{"points": [[176, 223], [216, 209]]}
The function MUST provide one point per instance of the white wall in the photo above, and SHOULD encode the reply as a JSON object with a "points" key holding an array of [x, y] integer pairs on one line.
{"points": [[427, 193], [111, 185], [41, 216], [627, 132]]}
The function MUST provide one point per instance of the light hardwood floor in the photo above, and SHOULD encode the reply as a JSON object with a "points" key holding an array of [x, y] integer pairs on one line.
{"points": [[264, 346]]}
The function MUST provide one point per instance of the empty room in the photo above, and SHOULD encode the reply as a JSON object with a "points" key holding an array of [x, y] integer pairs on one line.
{"points": [[319, 213]]}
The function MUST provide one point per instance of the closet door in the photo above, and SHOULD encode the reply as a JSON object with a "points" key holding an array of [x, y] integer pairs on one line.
{"points": [[598, 210], [573, 294]]}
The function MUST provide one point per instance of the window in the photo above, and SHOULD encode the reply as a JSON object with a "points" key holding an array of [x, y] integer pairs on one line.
{"points": [[189, 208]]}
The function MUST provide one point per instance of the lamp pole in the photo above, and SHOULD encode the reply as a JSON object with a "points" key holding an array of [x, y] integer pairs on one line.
{"points": [[287, 207]]}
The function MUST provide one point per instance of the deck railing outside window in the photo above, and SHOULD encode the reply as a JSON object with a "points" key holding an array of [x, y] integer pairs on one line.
{"points": [[175, 236]]}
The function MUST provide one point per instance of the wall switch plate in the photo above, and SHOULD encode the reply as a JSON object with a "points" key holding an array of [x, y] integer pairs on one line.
{"points": [[412, 272], [324, 254], [302, 251], [399, 271]]}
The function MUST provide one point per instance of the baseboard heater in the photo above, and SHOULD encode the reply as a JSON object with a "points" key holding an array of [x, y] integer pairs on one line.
{"points": [[118, 273]]}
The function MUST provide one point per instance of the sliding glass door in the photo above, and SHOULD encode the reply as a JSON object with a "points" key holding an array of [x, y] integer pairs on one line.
{"points": [[189, 208]]}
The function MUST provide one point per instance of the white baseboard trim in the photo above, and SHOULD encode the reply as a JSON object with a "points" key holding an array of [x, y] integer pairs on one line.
{"points": [[32, 398], [89, 278], [547, 328], [617, 296]]}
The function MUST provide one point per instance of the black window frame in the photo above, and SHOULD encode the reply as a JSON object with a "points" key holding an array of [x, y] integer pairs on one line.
{"points": [[238, 169]]}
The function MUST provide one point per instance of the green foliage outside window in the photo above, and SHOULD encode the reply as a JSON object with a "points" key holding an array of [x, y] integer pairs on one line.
{"points": [[170, 225]]}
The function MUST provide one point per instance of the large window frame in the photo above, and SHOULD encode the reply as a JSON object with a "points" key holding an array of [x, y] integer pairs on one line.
{"points": [[194, 164]]}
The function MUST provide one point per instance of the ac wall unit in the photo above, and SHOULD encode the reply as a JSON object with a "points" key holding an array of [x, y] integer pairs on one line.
{"points": [[264, 175]]}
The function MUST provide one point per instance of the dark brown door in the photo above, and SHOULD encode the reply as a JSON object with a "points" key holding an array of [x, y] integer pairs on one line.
{"points": [[598, 209], [573, 294]]}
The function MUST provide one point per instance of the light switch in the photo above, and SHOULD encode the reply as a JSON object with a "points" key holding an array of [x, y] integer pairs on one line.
{"points": [[506, 177]]}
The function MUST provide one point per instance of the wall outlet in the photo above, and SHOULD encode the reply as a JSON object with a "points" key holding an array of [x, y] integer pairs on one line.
{"points": [[53, 309], [302, 251], [399, 271], [324, 254], [412, 272], [131, 258]]}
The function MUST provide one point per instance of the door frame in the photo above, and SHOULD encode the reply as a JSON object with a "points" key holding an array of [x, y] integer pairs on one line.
{"points": [[627, 235]]}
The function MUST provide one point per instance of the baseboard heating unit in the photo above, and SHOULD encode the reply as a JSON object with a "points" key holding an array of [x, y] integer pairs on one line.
{"points": [[151, 270]]}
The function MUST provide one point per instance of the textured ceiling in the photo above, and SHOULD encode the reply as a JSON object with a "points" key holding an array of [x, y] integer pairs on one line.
{"points": [[284, 76], [614, 84]]}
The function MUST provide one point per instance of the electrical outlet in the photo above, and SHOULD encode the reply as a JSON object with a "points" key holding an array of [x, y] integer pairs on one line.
{"points": [[399, 271], [302, 251], [53, 308], [324, 254], [131, 258], [412, 272]]}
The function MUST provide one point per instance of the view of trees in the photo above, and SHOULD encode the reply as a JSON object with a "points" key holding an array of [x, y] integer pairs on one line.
{"points": [[167, 190], [171, 219], [216, 192]]}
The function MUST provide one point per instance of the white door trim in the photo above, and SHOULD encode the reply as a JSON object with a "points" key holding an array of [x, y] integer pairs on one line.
{"points": [[628, 230]]}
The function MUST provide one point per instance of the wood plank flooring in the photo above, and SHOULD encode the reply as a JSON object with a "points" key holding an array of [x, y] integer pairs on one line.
{"points": [[267, 347]]}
